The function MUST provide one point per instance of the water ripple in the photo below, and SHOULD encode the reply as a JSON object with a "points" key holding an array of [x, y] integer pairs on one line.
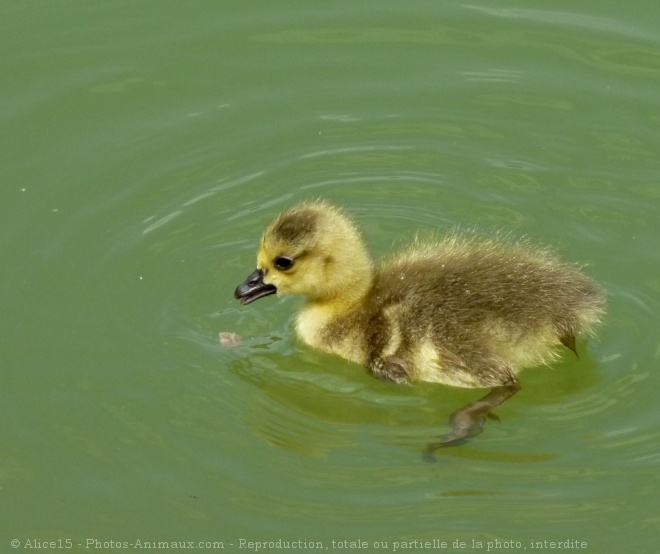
{"points": [[581, 20], [336, 151]]}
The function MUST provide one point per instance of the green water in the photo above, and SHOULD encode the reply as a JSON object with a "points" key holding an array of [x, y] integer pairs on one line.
{"points": [[145, 145]]}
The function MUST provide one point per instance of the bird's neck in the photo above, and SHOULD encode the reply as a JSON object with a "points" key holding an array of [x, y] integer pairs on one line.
{"points": [[320, 316]]}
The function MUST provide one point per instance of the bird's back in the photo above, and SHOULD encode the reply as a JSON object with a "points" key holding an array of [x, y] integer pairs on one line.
{"points": [[485, 306]]}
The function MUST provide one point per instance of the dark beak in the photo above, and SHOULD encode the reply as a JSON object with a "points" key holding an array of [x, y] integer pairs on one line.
{"points": [[253, 288]]}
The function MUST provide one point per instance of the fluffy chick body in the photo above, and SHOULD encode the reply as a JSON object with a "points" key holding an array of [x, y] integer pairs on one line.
{"points": [[459, 311]]}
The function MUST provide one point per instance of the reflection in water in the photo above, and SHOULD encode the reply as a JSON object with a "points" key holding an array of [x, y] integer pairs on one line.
{"points": [[494, 75], [583, 20], [510, 181], [340, 117], [353, 150], [366, 35], [620, 56], [159, 222], [527, 100]]}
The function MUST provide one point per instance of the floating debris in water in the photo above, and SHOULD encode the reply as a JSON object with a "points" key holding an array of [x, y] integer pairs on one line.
{"points": [[230, 340]]}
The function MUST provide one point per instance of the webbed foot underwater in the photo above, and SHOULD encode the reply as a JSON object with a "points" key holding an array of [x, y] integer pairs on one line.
{"points": [[460, 311]]}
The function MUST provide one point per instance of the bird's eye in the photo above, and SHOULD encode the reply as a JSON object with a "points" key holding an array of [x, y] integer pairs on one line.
{"points": [[283, 263]]}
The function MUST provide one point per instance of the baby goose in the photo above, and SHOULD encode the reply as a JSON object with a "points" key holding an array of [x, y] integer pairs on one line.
{"points": [[459, 311]]}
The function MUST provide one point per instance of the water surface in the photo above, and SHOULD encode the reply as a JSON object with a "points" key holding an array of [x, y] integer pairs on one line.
{"points": [[146, 144]]}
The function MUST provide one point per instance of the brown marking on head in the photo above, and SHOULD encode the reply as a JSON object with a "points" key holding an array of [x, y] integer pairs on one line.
{"points": [[295, 226]]}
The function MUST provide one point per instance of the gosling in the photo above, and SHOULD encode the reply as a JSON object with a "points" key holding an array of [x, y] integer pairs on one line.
{"points": [[459, 311]]}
